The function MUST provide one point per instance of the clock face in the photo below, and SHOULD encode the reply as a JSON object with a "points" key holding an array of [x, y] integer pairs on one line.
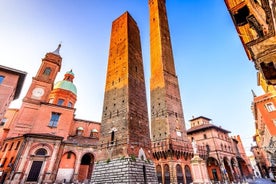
{"points": [[38, 92]]}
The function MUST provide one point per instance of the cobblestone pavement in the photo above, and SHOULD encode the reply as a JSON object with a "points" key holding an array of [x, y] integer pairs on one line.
{"points": [[261, 181]]}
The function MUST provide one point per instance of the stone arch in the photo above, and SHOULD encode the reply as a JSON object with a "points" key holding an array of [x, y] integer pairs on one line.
{"points": [[228, 170], [243, 167], [159, 173], [188, 175], [235, 168], [179, 174], [86, 167], [66, 167], [36, 147], [213, 168], [39, 155], [167, 176]]}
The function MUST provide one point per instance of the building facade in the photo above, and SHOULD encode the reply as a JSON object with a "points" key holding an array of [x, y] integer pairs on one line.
{"points": [[44, 142], [255, 24], [11, 82], [264, 113], [225, 159]]}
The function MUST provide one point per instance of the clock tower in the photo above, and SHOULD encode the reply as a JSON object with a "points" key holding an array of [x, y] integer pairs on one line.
{"points": [[38, 93], [43, 82]]}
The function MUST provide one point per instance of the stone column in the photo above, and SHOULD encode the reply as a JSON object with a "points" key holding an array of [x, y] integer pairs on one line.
{"points": [[199, 171], [77, 167], [22, 162], [52, 162]]}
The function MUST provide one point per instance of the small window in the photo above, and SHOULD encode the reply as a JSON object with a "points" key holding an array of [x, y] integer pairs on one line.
{"points": [[5, 147], [41, 152], [4, 120], [17, 145], [70, 104], [205, 136], [4, 162], [11, 161], [112, 137], [11, 146], [60, 101], [47, 71], [54, 119], [270, 107], [1, 79]]}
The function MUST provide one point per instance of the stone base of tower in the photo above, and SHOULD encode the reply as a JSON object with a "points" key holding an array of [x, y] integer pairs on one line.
{"points": [[124, 171], [199, 171]]}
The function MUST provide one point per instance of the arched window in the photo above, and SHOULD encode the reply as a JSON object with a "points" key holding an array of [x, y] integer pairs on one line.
{"points": [[179, 173], [159, 173], [167, 174], [47, 71], [41, 152], [188, 174]]}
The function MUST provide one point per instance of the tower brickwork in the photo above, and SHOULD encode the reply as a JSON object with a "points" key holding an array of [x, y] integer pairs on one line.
{"points": [[172, 151], [125, 146], [167, 119]]}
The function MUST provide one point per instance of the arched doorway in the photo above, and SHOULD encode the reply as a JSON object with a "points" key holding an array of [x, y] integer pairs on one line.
{"points": [[234, 165], [167, 174], [228, 170], [86, 167], [159, 173], [243, 167], [188, 174], [179, 174], [38, 160], [213, 169], [66, 167]]}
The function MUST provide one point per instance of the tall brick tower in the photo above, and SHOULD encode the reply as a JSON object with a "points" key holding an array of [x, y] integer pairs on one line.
{"points": [[125, 147], [171, 149]]}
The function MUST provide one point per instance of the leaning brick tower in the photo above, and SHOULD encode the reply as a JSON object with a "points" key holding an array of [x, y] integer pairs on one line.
{"points": [[172, 151], [124, 153]]}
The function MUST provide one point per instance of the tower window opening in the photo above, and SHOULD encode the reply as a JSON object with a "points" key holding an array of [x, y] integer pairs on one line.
{"points": [[70, 104], [47, 71], [112, 137], [144, 174]]}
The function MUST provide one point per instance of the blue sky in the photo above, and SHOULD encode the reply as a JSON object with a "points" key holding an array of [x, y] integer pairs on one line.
{"points": [[215, 75]]}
